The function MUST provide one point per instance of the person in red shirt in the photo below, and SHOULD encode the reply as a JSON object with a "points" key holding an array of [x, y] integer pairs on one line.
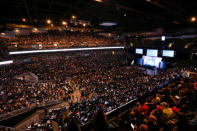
{"points": [[144, 110], [195, 85], [175, 109]]}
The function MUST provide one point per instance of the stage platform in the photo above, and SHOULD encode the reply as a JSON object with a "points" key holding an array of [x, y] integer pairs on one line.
{"points": [[149, 71]]}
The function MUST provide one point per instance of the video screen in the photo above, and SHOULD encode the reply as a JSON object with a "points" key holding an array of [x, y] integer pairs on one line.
{"points": [[152, 52], [151, 61], [138, 51], [168, 53]]}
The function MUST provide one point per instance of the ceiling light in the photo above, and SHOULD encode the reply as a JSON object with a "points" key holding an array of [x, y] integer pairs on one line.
{"points": [[2, 33], [84, 25], [35, 30], [193, 19], [17, 31], [187, 45], [170, 45], [108, 24], [74, 17], [48, 21], [23, 19], [163, 38], [100, 1]]}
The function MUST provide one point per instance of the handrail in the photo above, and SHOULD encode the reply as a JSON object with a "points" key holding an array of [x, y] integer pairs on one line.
{"points": [[18, 112], [14, 113], [159, 87]]}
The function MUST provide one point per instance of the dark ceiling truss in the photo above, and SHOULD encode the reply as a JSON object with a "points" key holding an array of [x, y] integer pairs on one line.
{"points": [[170, 7], [144, 14], [129, 14], [54, 3], [27, 9]]}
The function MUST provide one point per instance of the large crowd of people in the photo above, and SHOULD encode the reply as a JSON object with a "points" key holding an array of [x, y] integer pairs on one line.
{"points": [[171, 108], [58, 39], [57, 78], [102, 77]]}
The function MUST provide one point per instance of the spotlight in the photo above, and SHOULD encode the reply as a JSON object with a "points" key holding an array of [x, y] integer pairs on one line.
{"points": [[2, 33], [24, 20], [48, 21], [187, 45], [84, 25], [100, 1], [74, 17], [17, 31], [64, 23], [170, 45], [193, 19], [163, 38]]}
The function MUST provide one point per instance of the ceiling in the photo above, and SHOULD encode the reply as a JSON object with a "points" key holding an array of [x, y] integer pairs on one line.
{"points": [[130, 15]]}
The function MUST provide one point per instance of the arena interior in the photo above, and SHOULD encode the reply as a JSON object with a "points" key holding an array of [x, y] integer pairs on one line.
{"points": [[98, 65]]}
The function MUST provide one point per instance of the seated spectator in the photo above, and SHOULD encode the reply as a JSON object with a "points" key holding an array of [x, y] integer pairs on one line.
{"points": [[144, 127], [100, 121], [73, 126]]}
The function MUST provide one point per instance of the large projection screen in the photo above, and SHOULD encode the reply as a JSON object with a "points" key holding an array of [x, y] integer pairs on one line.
{"points": [[138, 51], [168, 53], [151, 61], [151, 52]]}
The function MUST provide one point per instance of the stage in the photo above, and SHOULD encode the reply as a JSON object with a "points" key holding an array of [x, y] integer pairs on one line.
{"points": [[149, 71]]}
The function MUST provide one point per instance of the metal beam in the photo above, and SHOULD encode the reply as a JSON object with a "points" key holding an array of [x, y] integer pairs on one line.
{"points": [[158, 4]]}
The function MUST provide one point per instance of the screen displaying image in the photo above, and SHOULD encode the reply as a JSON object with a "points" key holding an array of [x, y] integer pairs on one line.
{"points": [[151, 52], [151, 61], [138, 51], [168, 53]]}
